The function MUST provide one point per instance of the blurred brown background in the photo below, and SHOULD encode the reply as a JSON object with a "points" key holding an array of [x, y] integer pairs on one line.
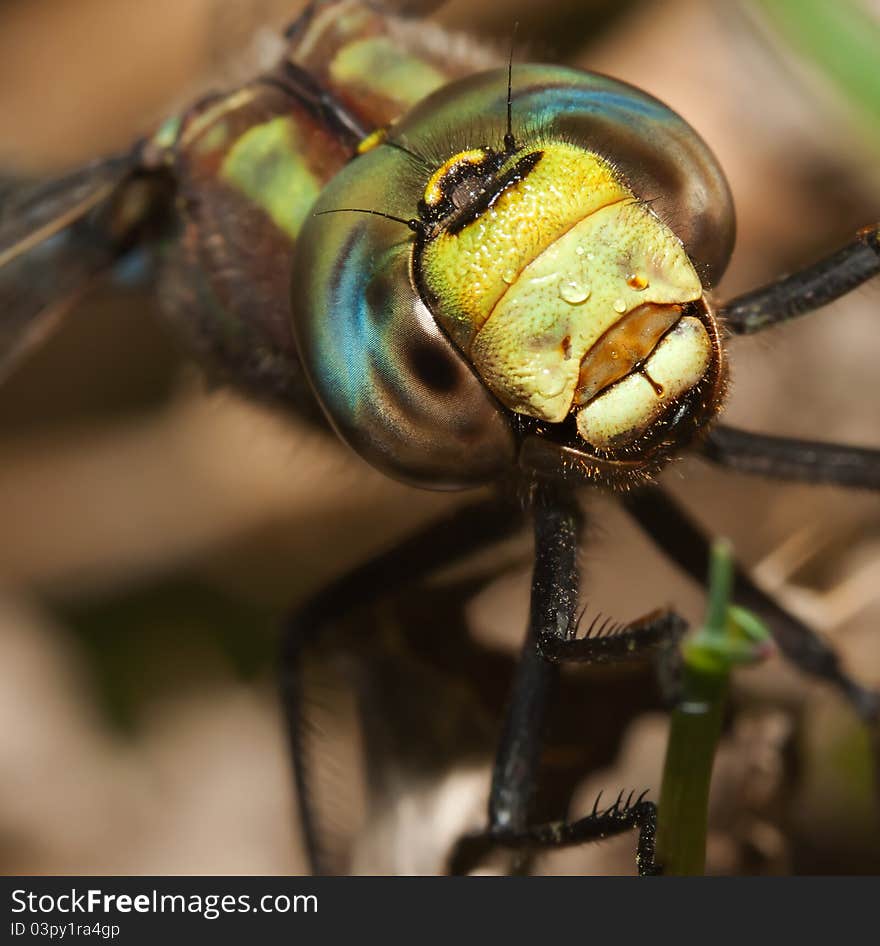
{"points": [[153, 532]]}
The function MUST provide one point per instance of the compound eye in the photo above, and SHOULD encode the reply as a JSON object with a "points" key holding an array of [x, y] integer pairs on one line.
{"points": [[549, 283], [391, 383]]}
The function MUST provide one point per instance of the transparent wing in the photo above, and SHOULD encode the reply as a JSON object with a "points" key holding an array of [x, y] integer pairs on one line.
{"points": [[56, 238], [33, 211], [393, 723]]}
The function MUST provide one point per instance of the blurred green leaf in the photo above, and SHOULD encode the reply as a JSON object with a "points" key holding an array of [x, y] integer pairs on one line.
{"points": [[841, 39], [172, 634]]}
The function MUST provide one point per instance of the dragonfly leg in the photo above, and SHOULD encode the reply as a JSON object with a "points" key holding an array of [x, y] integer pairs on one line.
{"points": [[550, 641], [790, 459], [439, 543], [557, 526], [806, 290], [658, 631], [600, 824], [669, 527], [684, 542]]}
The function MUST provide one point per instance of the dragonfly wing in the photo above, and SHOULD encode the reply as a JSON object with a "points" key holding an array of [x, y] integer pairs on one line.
{"points": [[33, 211], [38, 288], [396, 718], [56, 238]]}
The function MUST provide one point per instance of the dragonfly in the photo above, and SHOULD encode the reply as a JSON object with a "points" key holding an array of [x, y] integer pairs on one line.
{"points": [[474, 274]]}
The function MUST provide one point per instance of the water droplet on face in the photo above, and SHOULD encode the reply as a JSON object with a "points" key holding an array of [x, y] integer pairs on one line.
{"points": [[580, 250], [550, 383], [637, 281], [573, 291], [509, 276], [619, 306]]}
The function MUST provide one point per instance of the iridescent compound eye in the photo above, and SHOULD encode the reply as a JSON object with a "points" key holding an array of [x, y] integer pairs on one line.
{"points": [[546, 304]]}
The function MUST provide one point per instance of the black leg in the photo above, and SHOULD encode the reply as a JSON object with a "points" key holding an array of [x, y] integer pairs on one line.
{"points": [[469, 528], [600, 824], [806, 290], [557, 524], [786, 458], [549, 641], [657, 631], [597, 826], [680, 539]]}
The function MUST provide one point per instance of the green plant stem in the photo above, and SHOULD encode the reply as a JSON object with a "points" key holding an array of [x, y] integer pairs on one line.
{"points": [[729, 637], [684, 795]]}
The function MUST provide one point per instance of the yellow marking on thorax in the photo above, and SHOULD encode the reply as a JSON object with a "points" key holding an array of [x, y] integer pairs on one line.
{"points": [[267, 165], [373, 140], [378, 65], [434, 190]]}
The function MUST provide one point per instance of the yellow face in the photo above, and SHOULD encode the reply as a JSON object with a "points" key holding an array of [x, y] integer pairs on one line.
{"points": [[566, 293]]}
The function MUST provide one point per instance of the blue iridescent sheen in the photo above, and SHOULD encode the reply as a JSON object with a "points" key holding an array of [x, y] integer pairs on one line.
{"points": [[390, 381], [346, 298], [660, 156]]}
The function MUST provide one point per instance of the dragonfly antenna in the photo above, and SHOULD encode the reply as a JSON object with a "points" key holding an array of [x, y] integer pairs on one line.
{"points": [[413, 224], [509, 140]]}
